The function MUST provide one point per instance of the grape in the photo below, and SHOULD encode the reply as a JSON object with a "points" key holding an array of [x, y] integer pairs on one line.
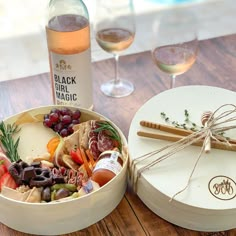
{"points": [[66, 119], [62, 120], [75, 122], [54, 117], [76, 115], [70, 128], [55, 110], [47, 122], [64, 132], [58, 127], [66, 111]]}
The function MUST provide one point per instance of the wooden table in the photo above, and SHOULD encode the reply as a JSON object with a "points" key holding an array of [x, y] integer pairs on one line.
{"points": [[215, 66]]}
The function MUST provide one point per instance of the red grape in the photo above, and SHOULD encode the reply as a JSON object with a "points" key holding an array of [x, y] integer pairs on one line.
{"points": [[62, 120], [66, 111], [70, 128], [64, 132], [55, 110], [58, 127], [66, 119], [76, 115], [54, 117], [47, 122], [75, 122]]}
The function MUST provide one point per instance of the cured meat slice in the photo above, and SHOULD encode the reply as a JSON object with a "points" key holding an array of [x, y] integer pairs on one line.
{"points": [[94, 138], [94, 124], [92, 134], [93, 146], [104, 142]]}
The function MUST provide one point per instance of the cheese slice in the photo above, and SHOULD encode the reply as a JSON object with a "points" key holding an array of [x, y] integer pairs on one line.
{"points": [[33, 140]]}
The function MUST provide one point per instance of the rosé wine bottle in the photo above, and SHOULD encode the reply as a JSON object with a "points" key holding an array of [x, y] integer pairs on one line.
{"points": [[68, 39]]}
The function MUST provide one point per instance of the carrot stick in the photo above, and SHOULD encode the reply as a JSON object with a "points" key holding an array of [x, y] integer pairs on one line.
{"points": [[86, 164], [90, 156]]}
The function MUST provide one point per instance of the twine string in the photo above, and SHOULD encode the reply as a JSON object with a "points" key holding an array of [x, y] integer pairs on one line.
{"points": [[174, 147]]}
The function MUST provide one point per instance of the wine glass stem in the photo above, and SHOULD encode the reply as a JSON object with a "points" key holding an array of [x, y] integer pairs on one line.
{"points": [[117, 80], [172, 82]]}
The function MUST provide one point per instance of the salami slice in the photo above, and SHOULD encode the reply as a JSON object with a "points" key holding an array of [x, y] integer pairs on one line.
{"points": [[94, 138], [94, 124], [104, 142], [92, 134], [93, 146]]}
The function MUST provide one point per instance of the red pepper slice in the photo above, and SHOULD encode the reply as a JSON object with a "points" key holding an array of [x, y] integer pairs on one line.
{"points": [[76, 156]]}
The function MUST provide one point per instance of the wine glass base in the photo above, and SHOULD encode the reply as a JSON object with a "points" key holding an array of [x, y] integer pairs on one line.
{"points": [[121, 89]]}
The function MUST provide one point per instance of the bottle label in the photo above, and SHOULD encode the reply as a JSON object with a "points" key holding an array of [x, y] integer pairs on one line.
{"points": [[108, 164], [72, 79], [114, 156]]}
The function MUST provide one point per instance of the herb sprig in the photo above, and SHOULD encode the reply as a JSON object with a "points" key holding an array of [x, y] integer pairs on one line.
{"points": [[7, 141], [112, 132], [188, 124]]}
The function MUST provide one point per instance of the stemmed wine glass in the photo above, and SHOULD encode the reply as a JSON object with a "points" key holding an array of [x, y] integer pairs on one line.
{"points": [[115, 30], [175, 42]]}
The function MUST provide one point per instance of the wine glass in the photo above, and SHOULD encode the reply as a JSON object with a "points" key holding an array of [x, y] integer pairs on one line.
{"points": [[175, 42], [115, 31]]}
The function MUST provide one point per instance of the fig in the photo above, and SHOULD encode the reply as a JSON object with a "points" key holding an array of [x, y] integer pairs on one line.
{"points": [[62, 193]]}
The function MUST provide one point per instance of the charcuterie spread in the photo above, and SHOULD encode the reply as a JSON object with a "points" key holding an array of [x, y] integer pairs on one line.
{"points": [[68, 158]]}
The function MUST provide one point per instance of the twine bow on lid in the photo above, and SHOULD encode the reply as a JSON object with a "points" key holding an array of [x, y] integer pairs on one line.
{"points": [[215, 124], [206, 118]]}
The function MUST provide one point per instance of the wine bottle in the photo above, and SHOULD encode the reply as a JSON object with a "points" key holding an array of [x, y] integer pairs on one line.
{"points": [[68, 40]]}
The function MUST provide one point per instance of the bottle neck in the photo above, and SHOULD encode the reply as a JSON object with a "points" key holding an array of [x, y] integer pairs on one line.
{"points": [[66, 7]]}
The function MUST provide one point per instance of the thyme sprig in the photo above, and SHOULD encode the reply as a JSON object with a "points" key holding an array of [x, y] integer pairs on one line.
{"points": [[188, 124], [110, 131], [7, 141]]}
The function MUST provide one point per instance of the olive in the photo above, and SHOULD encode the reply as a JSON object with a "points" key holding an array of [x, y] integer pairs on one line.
{"points": [[61, 193], [46, 194], [70, 187]]}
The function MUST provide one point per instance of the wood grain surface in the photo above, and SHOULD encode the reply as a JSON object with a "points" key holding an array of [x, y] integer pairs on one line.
{"points": [[215, 66]]}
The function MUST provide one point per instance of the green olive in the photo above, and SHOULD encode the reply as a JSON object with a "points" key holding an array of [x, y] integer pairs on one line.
{"points": [[70, 187]]}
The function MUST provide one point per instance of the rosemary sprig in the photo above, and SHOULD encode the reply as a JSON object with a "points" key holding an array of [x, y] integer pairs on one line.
{"points": [[7, 141], [112, 132]]}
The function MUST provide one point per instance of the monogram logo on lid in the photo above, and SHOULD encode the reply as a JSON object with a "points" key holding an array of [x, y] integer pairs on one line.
{"points": [[222, 187]]}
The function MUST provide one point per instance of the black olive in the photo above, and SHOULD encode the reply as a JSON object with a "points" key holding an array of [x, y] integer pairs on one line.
{"points": [[46, 194]]}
